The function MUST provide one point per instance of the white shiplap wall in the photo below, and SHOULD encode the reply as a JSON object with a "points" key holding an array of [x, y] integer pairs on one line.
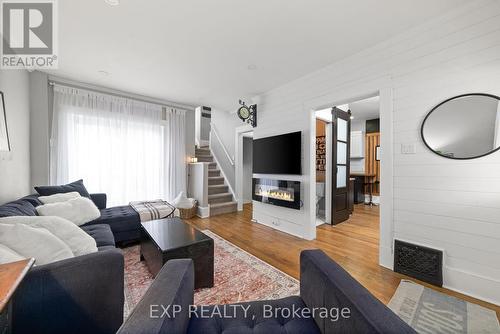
{"points": [[447, 204]]}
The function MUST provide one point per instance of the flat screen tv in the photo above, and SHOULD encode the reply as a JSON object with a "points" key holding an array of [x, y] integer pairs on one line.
{"points": [[278, 154]]}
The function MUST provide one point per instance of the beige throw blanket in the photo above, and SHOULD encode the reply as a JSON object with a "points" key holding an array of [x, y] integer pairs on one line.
{"points": [[151, 210]]}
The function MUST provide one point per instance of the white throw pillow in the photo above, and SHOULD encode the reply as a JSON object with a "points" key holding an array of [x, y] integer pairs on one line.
{"points": [[33, 242], [77, 240], [182, 202], [7, 255], [57, 198], [79, 210]]}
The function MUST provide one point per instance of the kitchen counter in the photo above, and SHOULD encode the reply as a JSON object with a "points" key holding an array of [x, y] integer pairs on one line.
{"points": [[361, 174]]}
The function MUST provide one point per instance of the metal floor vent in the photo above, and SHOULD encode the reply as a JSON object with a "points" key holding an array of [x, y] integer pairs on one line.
{"points": [[423, 263]]}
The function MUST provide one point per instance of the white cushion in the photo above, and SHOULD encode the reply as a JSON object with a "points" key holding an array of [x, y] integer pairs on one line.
{"points": [[33, 242], [78, 210], [7, 255], [182, 202], [77, 240], [57, 198]]}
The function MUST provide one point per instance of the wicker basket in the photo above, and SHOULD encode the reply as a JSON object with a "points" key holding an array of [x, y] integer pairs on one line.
{"points": [[188, 213]]}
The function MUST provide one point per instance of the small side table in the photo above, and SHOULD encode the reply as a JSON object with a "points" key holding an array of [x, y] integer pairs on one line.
{"points": [[11, 275]]}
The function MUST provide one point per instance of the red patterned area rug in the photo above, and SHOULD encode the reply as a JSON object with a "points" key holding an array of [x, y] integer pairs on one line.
{"points": [[239, 277]]}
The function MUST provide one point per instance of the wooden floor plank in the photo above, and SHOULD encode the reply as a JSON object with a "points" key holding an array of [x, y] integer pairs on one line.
{"points": [[353, 244]]}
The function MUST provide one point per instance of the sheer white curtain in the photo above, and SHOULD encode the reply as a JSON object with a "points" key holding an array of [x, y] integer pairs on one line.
{"points": [[118, 146], [175, 151]]}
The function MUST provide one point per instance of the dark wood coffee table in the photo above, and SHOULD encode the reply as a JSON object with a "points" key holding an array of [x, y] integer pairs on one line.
{"points": [[171, 238]]}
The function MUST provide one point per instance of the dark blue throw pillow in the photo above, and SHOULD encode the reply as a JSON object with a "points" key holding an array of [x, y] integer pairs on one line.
{"points": [[66, 188]]}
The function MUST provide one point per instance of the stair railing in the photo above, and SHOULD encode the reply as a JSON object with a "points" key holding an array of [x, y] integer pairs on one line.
{"points": [[216, 135]]}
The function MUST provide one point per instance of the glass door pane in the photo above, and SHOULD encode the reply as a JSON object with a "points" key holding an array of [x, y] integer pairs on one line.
{"points": [[341, 153], [342, 130], [341, 176]]}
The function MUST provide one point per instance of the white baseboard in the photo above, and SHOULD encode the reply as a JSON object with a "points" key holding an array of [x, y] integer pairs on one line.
{"points": [[473, 285], [386, 258], [203, 212]]}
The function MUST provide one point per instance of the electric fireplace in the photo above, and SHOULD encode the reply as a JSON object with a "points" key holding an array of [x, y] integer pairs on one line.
{"points": [[277, 192]]}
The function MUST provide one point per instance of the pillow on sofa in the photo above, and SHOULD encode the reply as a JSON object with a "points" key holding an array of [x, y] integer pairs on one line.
{"points": [[77, 240], [20, 207], [7, 255], [78, 210], [34, 242], [57, 198], [66, 188]]}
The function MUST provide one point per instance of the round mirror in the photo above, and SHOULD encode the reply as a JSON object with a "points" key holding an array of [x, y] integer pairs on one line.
{"points": [[464, 127]]}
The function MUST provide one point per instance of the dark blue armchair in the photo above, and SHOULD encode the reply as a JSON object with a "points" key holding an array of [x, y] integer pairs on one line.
{"points": [[324, 286]]}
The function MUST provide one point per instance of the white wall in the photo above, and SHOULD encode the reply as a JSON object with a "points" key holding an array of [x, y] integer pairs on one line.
{"points": [[226, 124], [447, 204], [358, 165], [247, 169], [40, 120], [15, 166]]}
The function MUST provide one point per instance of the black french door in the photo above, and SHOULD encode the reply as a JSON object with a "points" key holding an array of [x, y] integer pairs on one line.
{"points": [[340, 165]]}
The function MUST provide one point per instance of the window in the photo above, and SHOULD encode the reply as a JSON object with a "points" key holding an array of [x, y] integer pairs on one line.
{"points": [[118, 146]]}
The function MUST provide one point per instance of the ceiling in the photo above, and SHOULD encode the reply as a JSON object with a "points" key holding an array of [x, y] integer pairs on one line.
{"points": [[365, 109], [360, 110], [215, 52]]}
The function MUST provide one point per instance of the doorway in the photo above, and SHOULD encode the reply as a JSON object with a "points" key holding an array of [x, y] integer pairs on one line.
{"points": [[348, 162], [323, 172], [243, 165], [247, 167]]}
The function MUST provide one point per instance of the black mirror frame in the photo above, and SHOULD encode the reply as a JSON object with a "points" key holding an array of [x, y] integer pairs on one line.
{"points": [[4, 115], [440, 104]]}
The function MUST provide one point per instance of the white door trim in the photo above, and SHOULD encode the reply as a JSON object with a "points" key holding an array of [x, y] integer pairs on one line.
{"points": [[238, 163], [382, 88], [328, 174]]}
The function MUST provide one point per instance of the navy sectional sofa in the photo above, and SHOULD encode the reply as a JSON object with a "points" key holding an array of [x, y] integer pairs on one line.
{"points": [[124, 221], [83, 294]]}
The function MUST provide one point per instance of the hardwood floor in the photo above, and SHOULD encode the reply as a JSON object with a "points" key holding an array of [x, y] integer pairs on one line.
{"points": [[353, 244]]}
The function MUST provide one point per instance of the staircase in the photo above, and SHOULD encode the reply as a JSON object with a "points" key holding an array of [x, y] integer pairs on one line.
{"points": [[220, 199]]}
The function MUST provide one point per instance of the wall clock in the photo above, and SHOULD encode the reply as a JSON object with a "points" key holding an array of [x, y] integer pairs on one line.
{"points": [[248, 114]]}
